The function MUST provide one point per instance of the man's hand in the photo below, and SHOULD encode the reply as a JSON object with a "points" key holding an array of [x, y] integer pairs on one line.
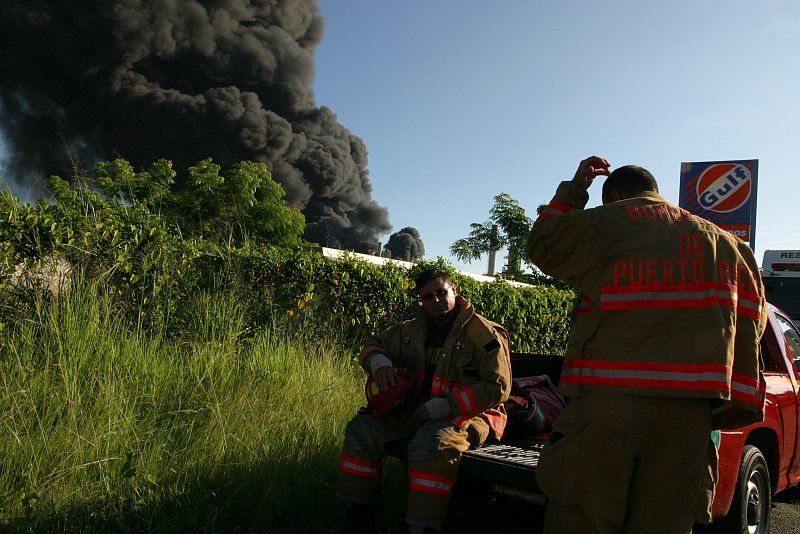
{"points": [[589, 169], [385, 377]]}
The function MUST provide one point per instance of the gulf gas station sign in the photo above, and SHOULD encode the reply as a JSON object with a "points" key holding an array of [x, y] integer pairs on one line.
{"points": [[724, 192]]}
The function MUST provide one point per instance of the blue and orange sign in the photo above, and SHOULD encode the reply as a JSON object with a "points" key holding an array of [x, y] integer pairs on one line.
{"points": [[724, 192]]}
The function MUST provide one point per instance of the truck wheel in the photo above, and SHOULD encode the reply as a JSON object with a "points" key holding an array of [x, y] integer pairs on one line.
{"points": [[749, 513]]}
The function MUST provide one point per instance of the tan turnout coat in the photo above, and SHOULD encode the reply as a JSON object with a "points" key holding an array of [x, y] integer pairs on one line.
{"points": [[670, 304], [474, 372]]}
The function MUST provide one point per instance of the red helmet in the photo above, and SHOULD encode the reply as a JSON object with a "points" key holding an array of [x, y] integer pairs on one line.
{"points": [[388, 400]]}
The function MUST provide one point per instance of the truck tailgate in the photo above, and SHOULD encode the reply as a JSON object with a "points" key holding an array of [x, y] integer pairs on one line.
{"points": [[511, 464]]}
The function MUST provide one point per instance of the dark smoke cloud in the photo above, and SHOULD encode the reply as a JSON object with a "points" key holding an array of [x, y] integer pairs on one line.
{"points": [[185, 80], [406, 244]]}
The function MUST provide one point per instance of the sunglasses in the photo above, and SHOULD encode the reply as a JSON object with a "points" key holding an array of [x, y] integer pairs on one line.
{"points": [[441, 293]]}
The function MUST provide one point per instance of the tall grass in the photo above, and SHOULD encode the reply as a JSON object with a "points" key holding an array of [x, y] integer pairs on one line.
{"points": [[104, 428]]}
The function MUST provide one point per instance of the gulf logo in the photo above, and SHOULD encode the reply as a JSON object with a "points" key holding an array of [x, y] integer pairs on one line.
{"points": [[724, 187]]}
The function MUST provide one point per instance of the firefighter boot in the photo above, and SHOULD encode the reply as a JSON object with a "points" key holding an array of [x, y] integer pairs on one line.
{"points": [[360, 519]]}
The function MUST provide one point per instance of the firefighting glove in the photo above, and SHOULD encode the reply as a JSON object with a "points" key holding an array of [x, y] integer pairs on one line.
{"points": [[438, 408], [378, 360]]}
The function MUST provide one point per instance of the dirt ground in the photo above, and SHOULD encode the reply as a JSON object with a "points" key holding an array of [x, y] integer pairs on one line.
{"points": [[785, 513]]}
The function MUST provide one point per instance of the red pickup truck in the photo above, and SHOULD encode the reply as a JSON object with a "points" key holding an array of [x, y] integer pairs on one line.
{"points": [[755, 462]]}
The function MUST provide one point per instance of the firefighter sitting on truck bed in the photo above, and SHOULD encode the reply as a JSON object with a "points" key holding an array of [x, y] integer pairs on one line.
{"points": [[461, 361], [667, 300]]}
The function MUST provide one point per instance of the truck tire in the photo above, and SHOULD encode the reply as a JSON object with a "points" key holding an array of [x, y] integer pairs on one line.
{"points": [[749, 512]]}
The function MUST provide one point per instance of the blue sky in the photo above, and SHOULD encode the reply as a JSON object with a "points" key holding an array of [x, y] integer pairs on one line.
{"points": [[458, 101]]}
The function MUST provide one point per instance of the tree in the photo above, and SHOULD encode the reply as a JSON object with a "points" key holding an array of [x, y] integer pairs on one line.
{"points": [[147, 189], [243, 205], [508, 226]]}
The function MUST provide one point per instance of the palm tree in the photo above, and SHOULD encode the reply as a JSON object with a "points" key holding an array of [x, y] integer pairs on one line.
{"points": [[508, 226]]}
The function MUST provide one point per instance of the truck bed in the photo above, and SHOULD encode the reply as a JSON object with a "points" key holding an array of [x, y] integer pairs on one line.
{"points": [[510, 465]]}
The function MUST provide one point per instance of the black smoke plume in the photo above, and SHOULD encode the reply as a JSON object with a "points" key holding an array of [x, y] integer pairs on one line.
{"points": [[406, 245], [92, 80]]}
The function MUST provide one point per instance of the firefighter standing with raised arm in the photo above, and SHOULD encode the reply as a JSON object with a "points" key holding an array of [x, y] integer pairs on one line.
{"points": [[664, 348], [462, 364]]}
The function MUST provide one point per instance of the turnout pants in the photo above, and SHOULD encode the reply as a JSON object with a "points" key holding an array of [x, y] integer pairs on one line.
{"points": [[628, 464], [434, 454]]}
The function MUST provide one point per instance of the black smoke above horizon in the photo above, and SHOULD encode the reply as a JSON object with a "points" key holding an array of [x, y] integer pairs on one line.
{"points": [[406, 245], [183, 80]]}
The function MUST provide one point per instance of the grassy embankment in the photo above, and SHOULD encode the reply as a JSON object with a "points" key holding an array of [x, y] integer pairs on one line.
{"points": [[106, 429]]}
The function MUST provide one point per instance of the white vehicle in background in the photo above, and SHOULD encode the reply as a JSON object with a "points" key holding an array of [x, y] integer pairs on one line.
{"points": [[780, 271]]}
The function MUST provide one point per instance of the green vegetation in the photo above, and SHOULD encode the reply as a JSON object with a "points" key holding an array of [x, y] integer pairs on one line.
{"points": [[108, 429], [176, 361]]}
